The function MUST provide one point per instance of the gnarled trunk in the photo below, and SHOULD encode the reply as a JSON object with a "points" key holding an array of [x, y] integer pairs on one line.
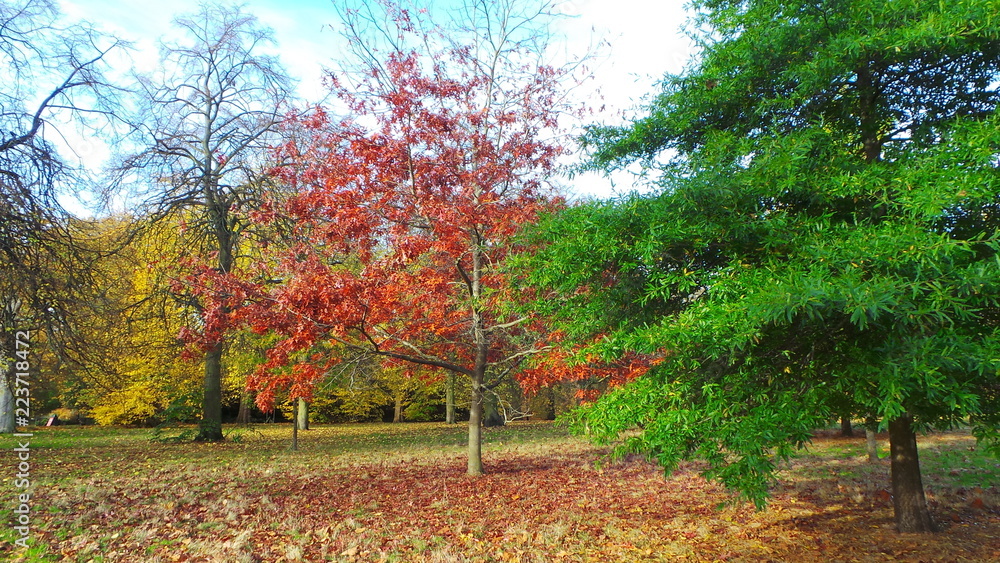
{"points": [[8, 377], [908, 499]]}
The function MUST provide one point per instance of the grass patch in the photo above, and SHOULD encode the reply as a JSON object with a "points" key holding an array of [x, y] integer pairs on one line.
{"points": [[385, 492]]}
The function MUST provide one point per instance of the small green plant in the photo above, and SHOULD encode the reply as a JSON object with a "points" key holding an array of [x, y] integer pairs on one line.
{"points": [[180, 412], [164, 434], [237, 435]]}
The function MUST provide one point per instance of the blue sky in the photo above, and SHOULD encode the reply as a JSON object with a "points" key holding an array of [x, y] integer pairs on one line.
{"points": [[644, 38]]}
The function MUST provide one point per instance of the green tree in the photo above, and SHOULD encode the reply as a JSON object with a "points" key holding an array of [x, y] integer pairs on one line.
{"points": [[826, 229]]}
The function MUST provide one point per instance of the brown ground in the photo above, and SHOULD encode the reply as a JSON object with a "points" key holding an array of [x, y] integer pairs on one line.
{"points": [[343, 499]]}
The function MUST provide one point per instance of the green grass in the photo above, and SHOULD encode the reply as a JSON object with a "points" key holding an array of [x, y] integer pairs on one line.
{"points": [[960, 465], [952, 459]]}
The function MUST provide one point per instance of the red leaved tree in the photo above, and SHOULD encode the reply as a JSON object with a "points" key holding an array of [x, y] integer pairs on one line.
{"points": [[592, 374], [405, 208]]}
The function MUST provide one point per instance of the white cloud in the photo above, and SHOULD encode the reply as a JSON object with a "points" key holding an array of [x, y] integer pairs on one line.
{"points": [[644, 42]]}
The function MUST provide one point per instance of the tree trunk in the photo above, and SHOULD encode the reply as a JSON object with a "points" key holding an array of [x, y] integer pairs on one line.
{"points": [[243, 417], [475, 427], [908, 499], [846, 429], [491, 412], [8, 348], [543, 405], [6, 405], [482, 360], [210, 427], [397, 415], [449, 398], [303, 415], [870, 120], [872, 445], [295, 435]]}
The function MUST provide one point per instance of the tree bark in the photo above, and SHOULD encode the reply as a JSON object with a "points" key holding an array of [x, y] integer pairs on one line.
{"points": [[210, 427], [871, 445], [845, 427], [449, 398], [8, 347], [303, 415], [243, 417], [868, 94], [397, 415], [479, 372], [475, 427], [218, 218], [6, 405], [491, 412], [295, 435], [908, 499]]}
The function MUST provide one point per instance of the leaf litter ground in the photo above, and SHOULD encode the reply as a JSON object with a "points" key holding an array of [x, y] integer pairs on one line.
{"points": [[399, 493]]}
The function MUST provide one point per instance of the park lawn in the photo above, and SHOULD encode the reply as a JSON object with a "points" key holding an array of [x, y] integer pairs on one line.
{"points": [[381, 492]]}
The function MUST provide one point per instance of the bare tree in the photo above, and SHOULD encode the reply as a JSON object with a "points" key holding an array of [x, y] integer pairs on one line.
{"points": [[213, 110], [52, 84]]}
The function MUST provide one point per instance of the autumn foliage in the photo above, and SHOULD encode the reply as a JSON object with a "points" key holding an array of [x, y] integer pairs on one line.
{"points": [[398, 225], [403, 205], [592, 373]]}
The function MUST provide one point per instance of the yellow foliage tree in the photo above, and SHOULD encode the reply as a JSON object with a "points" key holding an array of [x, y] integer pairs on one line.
{"points": [[131, 367]]}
